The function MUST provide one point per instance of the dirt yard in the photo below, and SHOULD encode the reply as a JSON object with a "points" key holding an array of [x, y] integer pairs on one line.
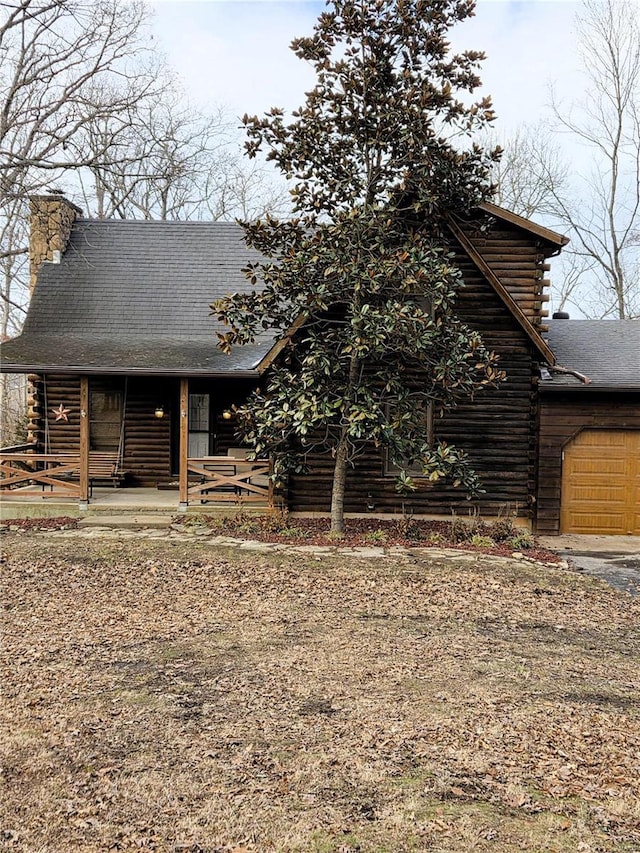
{"points": [[171, 695]]}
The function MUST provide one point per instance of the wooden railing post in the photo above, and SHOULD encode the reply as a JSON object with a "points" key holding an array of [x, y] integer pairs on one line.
{"points": [[271, 497], [184, 443], [84, 442]]}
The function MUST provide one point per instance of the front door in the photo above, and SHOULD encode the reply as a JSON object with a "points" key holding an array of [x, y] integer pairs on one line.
{"points": [[201, 435], [106, 409]]}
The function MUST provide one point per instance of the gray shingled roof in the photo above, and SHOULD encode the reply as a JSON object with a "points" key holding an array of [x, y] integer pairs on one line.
{"points": [[606, 351], [134, 296]]}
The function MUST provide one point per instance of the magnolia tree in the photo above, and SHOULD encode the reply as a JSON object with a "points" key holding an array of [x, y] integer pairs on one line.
{"points": [[362, 279]]}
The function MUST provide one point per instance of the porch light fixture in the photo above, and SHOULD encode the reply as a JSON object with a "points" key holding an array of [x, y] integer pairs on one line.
{"points": [[159, 412], [227, 415]]}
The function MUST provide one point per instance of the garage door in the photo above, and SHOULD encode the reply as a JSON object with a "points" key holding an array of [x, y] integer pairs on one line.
{"points": [[601, 483]]}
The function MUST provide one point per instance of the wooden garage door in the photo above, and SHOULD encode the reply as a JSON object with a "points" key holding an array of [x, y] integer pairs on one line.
{"points": [[601, 483]]}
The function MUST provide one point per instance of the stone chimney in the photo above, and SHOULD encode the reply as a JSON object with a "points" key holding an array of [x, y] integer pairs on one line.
{"points": [[52, 217]]}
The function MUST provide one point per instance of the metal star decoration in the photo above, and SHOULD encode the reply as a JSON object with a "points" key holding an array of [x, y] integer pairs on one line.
{"points": [[61, 413]]}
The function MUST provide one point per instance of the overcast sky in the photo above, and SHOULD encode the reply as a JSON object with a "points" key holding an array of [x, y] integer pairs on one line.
{"points": [[236, 52]]}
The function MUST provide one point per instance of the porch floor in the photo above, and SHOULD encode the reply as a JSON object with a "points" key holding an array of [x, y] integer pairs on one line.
{"points": [[107, 500]]}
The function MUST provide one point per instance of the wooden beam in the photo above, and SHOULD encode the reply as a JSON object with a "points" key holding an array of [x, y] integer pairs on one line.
{"points": [[521, 318], [184, 443], [84, 439], [526, 224], [277, 348]]}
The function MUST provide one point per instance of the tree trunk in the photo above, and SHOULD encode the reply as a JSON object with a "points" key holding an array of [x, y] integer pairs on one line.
{"points": [[339, 482], [342, 451]]}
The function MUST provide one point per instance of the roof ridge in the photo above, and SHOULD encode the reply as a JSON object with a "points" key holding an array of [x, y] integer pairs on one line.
{"points": [[92, 220]]}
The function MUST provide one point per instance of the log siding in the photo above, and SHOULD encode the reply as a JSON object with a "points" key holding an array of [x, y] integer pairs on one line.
{"points": [[520, 264], [497, 429]]}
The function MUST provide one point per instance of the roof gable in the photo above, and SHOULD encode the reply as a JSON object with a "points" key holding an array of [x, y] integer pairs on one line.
{"points": [[521, 318]]}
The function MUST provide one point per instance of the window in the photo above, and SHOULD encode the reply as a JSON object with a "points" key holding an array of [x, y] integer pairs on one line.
{"points": [[414, 470]]}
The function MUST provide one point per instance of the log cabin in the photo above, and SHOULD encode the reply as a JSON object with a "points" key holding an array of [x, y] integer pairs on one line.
{"points": [[127, 384]]}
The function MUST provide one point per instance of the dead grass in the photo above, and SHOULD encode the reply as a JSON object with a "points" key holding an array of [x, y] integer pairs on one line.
{"points": [[168, 696]]}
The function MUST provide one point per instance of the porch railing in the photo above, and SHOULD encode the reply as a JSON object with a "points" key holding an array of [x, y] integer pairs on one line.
{"points": [[222, 479], [211, 479], [43, 474]]}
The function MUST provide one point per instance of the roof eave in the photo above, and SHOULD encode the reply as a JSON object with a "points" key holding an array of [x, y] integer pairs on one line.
{"points": [[591, 388], [83, 370], [533, 227]]}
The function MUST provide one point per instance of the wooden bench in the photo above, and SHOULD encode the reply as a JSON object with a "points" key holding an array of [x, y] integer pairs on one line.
{"points": [[218, 474], [104, 466]]}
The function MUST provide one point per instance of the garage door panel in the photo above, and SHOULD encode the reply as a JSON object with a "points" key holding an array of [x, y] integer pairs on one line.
{"points": [[602, 438], [601, 483], [613, 523], [597, 493], [605, 466]]}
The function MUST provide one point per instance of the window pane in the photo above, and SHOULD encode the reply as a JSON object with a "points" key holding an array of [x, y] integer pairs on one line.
{"points": [[199, 412], [415, 470]]}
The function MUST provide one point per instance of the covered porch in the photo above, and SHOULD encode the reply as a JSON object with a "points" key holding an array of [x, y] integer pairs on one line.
{"points": [[118, 447]]}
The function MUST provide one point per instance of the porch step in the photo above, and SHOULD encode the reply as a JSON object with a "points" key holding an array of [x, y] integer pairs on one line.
{"points": [[123, 521]]}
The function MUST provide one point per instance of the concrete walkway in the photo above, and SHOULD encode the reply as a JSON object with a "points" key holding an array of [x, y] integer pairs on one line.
{"points": [[128, 521], [591, 544]]}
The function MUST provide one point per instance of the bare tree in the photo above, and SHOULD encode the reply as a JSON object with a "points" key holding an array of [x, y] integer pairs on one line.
{"points": [[606, 214], [163, 154], [601, 207], [13, 267], [598, 205], [170, 161], [55, 57], [249, 192], [62, 65], [530, 173]]}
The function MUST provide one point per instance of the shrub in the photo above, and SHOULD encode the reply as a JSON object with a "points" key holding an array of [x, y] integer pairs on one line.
{"points": [[521, 540], [480, 541], [504, 528], [407, 528], [461, 530], [294, 533], [376, 537], [275, 522]]}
